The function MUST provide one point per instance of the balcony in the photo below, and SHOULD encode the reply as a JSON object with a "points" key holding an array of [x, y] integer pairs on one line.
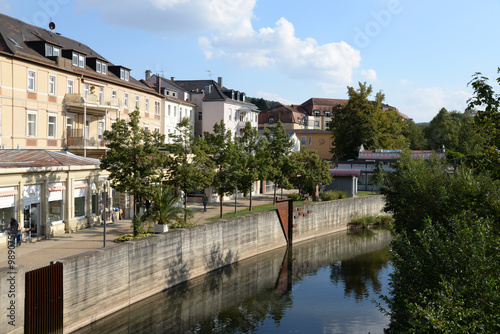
{"points": [[91, 104], [75, 139]]}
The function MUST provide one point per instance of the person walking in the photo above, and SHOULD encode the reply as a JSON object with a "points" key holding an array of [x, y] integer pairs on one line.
{"points": [[14, 230], [205, 201]]}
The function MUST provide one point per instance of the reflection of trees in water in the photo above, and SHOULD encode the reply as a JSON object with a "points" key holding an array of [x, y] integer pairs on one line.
{"points": [[249, 315], [360, 272]]}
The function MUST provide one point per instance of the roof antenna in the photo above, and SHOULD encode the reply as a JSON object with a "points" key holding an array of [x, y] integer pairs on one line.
{"points": [[209, 74]]}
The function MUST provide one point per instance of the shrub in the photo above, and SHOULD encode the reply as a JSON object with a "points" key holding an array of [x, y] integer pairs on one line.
{"points": [[181, 224], [331, 195], [295, 196], [128, 237], [367, 221]]}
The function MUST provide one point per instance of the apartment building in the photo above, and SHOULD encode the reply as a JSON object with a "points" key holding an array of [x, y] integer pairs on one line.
{"points": [[57, 97]]}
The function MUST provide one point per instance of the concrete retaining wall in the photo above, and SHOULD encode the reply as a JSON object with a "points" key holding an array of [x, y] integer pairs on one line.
{"points": [[12, 290], [101, 282]]}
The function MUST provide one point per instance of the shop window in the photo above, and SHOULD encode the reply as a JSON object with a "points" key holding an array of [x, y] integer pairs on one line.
{"points": [[80, 206]]}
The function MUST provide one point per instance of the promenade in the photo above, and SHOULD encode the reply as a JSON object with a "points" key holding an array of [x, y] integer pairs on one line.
{"points": [[33, 255]]}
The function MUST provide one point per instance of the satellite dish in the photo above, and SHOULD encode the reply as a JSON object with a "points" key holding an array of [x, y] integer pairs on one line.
{"points": [[52, 25]]}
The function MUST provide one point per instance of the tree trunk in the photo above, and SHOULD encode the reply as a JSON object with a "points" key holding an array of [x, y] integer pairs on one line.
{"points": [[250, 207], [220, 205], [274, 196], [235, 201]]}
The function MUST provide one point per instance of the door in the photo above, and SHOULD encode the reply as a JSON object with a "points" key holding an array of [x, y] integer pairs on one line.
{"points": [[32, 218]]}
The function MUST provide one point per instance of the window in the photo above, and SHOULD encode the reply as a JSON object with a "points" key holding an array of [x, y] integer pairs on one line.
{"points": [[157, 107], [146, 127], [100, 129], [200, 116], [69, 126], [101, 95], [31, 128], [175, 111], [230, 113], [147, 105], [94, 204], [101, 67], [78, 60], [316, 113], [328, 113], [104, 68], [51, 50], [70, 86], [98, 66], [52, 127], [271, 120], [114, 93], [300, 121], [327, 125], [124, 74], [310, 140], [86, 90], [168, 110], [31, 80], [157, 129], [52, 85], [80, 206], [303, 140], [316, 124], [125, 102]]}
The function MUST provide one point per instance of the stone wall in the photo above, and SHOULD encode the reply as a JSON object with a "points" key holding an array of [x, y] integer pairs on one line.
{"points": [[12, 289]]}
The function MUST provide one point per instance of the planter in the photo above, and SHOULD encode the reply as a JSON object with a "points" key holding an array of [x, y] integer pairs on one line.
{"points": [[161, 228]]}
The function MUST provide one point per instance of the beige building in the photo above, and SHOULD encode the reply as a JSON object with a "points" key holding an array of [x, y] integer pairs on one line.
{"points": [[59, 94], [57, 97]]}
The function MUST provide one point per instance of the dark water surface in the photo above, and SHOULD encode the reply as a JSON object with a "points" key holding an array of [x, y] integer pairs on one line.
{"points": [[325, 285]]}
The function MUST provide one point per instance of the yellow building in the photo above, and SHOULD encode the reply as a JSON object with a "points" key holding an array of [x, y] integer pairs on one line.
{"points": [[59, 94]]}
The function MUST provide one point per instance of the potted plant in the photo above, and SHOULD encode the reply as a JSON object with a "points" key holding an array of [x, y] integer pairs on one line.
{"points": [[164, 209]]}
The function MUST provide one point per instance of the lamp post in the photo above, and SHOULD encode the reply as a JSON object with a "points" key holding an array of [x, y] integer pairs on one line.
{"points": [[105, 207]]}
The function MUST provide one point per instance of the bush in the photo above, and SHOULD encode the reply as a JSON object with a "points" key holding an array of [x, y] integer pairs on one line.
{"points": [[331, 195], [295, 196], [181, 224], [367, 221], [128, 237]]}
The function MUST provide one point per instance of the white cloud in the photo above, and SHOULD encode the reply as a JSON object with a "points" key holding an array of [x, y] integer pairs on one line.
{"points": [[370, 75], [278, 47], [424, 103], [273, 97], [404, 82], [175, 17]]}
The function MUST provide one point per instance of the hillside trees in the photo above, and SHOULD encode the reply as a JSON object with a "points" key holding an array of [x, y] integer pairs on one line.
{"points": [[133, 159]]}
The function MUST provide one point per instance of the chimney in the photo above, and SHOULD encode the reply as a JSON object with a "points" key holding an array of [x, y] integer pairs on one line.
{"points": [[219, 81], [158, 83], [148, 74], [172, 78]]}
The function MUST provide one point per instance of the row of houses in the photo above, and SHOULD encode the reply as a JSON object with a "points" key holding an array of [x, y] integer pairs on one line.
{"points": [[58, 96]]}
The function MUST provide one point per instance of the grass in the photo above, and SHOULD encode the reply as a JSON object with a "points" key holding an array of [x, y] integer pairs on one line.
{"points": [[257, 208], [363, 193]]}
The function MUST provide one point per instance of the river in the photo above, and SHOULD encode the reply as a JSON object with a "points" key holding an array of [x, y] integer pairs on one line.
{"points": [[324, 285]]}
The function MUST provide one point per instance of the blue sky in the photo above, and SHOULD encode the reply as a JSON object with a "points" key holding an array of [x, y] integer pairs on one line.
{"points": [[421, 54]]}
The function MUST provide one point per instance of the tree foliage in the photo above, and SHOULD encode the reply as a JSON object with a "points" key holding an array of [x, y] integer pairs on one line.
{"points": [[279, 148], [446, 251], [187, 164], [311, 172], [224, 159], [133, 158], [364, 122]]}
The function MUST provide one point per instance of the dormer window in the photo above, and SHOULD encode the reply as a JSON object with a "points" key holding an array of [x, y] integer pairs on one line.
{"points": [[271, 120], [78, 60], [316, 113], [124, 74], [101, 67], [327, 114], [51, 50]]}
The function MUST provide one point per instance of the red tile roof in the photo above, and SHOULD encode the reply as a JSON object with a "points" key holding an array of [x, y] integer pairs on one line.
{"points": [[42, 158]]}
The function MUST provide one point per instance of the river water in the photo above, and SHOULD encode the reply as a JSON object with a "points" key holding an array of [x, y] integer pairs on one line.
{"points": [[325, 285]]}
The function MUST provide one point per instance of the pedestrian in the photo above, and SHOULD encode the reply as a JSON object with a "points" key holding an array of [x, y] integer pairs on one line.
{"points": [[205, 201], [19, 235], [14, 230]]}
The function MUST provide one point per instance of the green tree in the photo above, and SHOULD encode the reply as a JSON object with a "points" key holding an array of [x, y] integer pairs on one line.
{"points": [[279, 148], [224, 158], [311, 171], [364, 122], [445, 250], [187, 165], [415, 136], [253, 158], [133, 159]]}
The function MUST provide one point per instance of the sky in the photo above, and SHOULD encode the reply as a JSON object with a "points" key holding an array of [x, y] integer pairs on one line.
{"points": [[420, 54]]}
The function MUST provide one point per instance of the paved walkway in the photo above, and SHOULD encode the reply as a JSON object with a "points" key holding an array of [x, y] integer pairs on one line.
{"points": [[40, 253]]}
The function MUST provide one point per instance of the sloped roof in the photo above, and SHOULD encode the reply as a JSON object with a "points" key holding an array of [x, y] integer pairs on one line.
{"points": [[43, 158], [16, 36]]}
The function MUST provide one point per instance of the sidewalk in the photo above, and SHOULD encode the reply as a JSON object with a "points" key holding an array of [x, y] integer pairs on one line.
{"points": [[40, 253]]}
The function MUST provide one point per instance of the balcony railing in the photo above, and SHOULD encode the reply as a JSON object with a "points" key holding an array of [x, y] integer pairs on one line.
{"points": [[91, 100], [75, 139]]}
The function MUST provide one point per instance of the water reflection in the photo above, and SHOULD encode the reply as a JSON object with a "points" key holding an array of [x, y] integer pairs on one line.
{"points": [[278, 292]]}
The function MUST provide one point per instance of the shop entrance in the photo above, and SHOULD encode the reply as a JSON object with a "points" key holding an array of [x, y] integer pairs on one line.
{"points": [[32, 219]]}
